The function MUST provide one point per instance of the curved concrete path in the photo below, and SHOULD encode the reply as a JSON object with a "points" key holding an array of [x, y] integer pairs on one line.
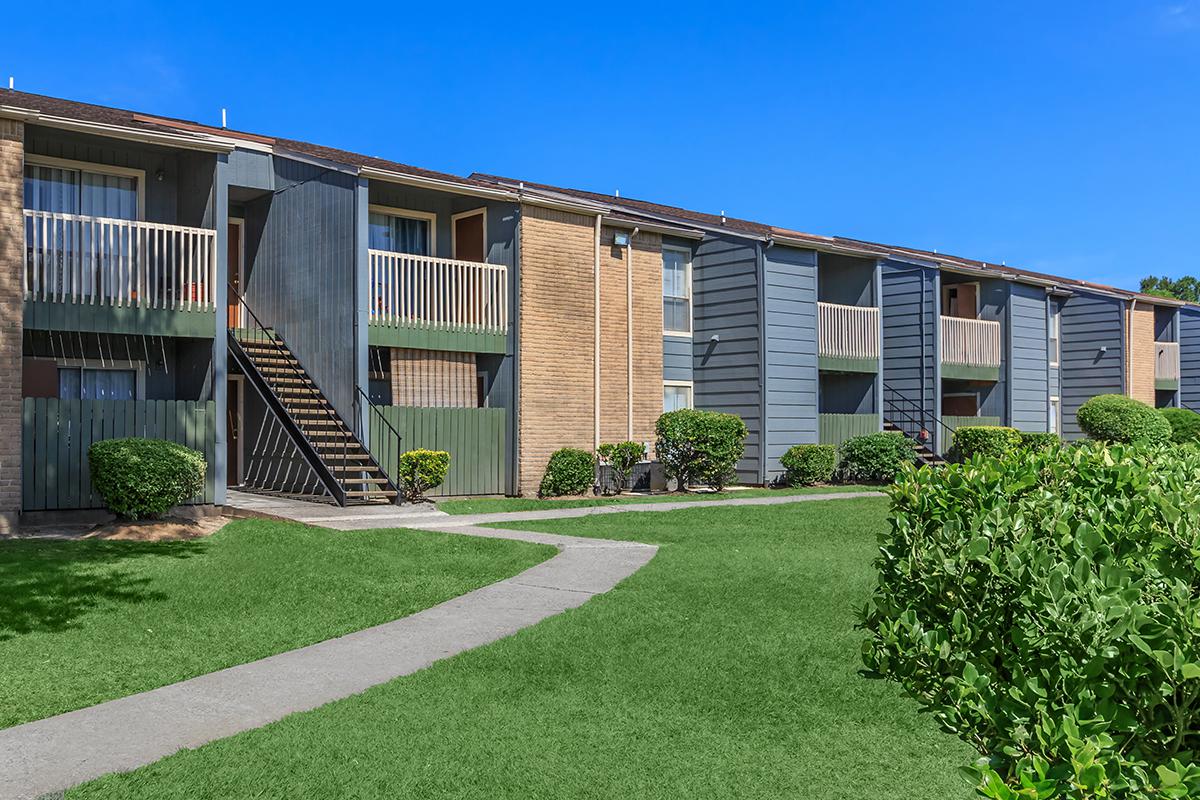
{"points": [[54, 754]]}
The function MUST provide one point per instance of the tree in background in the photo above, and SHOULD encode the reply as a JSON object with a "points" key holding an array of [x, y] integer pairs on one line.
{"points": [[1186, 288]]}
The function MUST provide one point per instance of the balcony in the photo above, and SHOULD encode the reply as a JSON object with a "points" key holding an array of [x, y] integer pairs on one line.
{"points": [[437, 303], [1166, 365], [847, 338], [118, 276], [970, 349]]}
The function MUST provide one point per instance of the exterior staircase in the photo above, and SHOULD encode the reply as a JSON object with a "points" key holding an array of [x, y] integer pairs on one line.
{"points": [[332, 449], [908, 417], [924, 453]]}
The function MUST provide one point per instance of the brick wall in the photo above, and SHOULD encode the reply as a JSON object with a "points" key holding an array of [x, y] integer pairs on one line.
{"points": [[433, 378], [12, 235], [1139, 365]]}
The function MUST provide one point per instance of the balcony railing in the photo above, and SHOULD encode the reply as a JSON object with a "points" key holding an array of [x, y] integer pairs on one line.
{"points": [[118, 262], [410, 290], [1166, 361], [971, 342], [847, 331]]}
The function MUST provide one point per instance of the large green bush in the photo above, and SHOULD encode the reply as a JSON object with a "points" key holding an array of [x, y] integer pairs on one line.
{"points": [[141, 478], [1039, 440], [990, 441], [1185, 424], [569, 471], [1044, 609], [806, 464], [621, 458], [1117, 418], [422, 470], [699, 446], [874, 457]]}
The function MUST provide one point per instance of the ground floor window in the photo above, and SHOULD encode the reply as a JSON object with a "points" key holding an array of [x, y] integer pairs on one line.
{"points": [[83, 383], [677, 395], [1054, 415]]}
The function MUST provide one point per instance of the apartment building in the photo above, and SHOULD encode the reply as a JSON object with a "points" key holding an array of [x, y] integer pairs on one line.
{"points": [[302, 315]]}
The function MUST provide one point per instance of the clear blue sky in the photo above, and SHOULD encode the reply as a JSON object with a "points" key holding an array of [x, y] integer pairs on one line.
{"points": [[1055, 136]]}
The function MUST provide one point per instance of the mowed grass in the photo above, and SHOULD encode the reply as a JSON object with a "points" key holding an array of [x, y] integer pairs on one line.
{"points": [[726, 667], [494, 505], [86, 621]]}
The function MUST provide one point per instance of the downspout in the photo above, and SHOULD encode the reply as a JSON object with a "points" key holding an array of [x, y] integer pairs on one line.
{"points": [[1127, 360], [763, 423], [596, 341], [936, 433], [629, 335]]}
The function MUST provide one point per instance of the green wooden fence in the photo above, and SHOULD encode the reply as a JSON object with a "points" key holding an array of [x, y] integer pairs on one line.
{"points": [[837, 428], [474, 437], [56, 434], [954, 423]]}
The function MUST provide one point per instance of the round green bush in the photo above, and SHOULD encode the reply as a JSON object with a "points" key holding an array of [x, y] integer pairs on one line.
{"points": [[806, 464], [141, 478], [1117, 418], [699, 446], [989, 441], [1037, 440], [569, 471], [1044, 609], [422, 470], [1185, 424], [874, 457]]}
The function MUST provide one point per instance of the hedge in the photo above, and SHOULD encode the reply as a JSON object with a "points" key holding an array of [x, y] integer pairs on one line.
{"points": [[1117, 418], [569, 471], [989, 441], [1185, 424], [806, 464], [141, 478], [874, 457], [422, 470], [699, 446]]}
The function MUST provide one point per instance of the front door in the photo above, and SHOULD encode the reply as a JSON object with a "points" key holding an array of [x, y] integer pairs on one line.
{"points": [[235, 274], [469, 239]]}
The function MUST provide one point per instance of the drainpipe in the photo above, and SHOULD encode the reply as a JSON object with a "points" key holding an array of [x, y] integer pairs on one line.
{"points": [[629, 335], [1127, 365], [596, 342]]}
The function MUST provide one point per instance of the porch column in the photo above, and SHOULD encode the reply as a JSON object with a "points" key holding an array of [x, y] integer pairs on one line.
{"points": [[12, 304]]}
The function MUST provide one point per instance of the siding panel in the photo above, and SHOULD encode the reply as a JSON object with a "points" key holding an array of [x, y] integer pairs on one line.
{"points": [[1030, 390], [910, 312], [790, 307], [1089, 323]]}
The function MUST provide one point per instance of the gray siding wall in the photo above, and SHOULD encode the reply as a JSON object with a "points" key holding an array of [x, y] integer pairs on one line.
{"points": [[1030, 388], [301, 247], [1189, 357], [1089, 323], [910, 315], [847, 393], [790, 346], [846, 280], [726, 304], [677, 358]]}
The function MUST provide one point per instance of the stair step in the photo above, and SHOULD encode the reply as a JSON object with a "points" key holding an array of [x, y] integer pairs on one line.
{"points": [[372, 481], [373, 493]]}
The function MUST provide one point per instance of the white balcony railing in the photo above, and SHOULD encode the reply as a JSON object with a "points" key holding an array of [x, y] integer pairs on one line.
{"points": [[971, 342], [118, 262], [409, 290], [847, 331], [1166, 361]]}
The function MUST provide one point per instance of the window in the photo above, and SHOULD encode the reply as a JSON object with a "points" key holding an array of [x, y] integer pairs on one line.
{"points": [[81, 383], [1054, 344], [398, 231], [68, 187], [677, 291], [1054, 415], [676, 396]]}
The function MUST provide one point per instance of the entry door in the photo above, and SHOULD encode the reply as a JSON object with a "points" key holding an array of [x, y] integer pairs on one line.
{"points": [[235, 273], [961, 300], [469, 236]]}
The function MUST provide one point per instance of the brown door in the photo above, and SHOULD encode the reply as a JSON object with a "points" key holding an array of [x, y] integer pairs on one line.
{"points": [[235, 272], [233, 432], [960, 405], [469, 238], [960, 300]]}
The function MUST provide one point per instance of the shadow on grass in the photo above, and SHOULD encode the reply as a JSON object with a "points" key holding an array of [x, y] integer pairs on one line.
{"points": [[46, 586]]}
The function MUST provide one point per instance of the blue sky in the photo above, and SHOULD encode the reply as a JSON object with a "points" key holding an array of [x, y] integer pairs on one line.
{"points": [[1055, 136]]}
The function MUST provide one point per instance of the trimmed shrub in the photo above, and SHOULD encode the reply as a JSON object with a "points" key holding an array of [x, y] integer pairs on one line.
{"points": [[621, 458], [874, 457], [1038, 441], [989, 441], [1043, 609], [421, 470], [699, 446], [1185, 424], [1117, 418], [807, 464], [569, 471], [141, 478]]}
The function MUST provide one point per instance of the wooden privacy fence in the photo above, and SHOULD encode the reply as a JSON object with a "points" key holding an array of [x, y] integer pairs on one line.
{"points": [[56, 435], [474, 437], [837, 428], [954, 423]]}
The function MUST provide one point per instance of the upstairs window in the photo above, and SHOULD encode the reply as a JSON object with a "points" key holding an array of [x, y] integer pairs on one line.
{"points": [[63, 188], [401, 231], [1054, 345], [677, 291]]}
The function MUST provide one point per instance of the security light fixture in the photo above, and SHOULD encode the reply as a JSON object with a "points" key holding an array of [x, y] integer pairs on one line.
{"points": [[621, 239]]}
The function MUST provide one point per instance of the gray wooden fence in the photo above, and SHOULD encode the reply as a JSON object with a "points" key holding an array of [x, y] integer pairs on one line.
{"points": [[474, 437]]}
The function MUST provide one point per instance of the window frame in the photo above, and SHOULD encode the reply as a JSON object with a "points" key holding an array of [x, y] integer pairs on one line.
{"points": [[33, 160], [410, 213], [687, 280], [691, 392], [1054, 415], [137, 367], [1054, 334]]}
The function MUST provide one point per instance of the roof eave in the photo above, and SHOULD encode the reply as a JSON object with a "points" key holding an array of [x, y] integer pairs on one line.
{"points": [[205, 143]]}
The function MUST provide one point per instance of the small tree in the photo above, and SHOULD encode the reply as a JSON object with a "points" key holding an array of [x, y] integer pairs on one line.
{"points": [[621, 458], [699, 446], [422, 470]]}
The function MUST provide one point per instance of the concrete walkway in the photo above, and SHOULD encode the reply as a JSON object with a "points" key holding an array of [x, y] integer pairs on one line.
{"points": [[57, 753]]}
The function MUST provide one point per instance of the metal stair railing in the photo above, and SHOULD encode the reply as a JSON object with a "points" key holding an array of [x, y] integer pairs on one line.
{"points": [[389, 445], [916, 417]]}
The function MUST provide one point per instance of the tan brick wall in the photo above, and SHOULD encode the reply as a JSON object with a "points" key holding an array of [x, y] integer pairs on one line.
{"points": [[433, 378], [1139, 366], [556, 338], [12, 166]]}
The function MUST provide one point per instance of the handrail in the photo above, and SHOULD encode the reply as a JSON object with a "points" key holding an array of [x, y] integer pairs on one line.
{"points": [[918, 417], [359, 397], [407, 289], [970, 342], [336, 485], [845, 331]]}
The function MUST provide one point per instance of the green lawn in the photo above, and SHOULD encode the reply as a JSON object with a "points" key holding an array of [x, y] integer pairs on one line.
{"points": [[87, 621], [726, 667], [494, 505]]}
